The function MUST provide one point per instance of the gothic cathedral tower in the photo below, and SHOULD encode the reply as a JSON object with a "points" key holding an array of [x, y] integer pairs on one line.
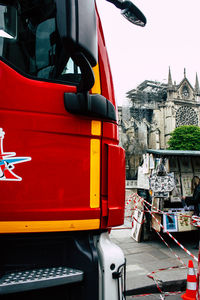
{"points": [[182, 105]]}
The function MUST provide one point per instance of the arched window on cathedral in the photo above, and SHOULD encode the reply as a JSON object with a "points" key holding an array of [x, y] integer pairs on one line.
{"points": [[185, 92]]}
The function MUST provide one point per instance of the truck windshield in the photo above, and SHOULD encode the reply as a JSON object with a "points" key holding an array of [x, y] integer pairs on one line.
{"points": [[30, 43]]}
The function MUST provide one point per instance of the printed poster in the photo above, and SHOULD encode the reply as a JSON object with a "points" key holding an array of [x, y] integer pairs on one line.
{"points": [[151, 162], [142, 180], [162, 183], [155, 221], [186, 184], [137, 225], [170, 223], [146, 163], [155, 204], [184, 222]]}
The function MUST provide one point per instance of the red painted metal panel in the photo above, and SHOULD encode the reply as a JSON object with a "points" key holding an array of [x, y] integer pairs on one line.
{"points": [[55, 183], [110, 136], [110, 131], [116, 185]]}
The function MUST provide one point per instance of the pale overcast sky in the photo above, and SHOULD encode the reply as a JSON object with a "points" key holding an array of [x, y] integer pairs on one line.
{"points": [[170, 38]]}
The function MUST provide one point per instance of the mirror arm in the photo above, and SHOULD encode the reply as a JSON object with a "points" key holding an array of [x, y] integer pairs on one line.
{"points": [[117, 3], [87, 74], [130, 12]]}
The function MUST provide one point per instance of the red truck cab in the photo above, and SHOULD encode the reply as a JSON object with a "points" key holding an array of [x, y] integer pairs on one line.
{"points": [[74, 177], [62, 173]]}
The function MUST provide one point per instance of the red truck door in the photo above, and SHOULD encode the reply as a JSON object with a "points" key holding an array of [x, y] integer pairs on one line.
{"points": [[59, 185], [50, 158]]}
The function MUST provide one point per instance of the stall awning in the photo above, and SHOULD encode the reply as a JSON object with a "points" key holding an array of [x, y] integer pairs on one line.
{"points": [[173, 152]]}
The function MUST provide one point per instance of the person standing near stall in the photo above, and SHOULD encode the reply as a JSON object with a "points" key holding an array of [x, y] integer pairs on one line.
{"points": [[194, 200]]}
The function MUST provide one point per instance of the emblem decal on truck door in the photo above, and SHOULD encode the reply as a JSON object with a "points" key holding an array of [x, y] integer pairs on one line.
{"points": [[7, 161]]}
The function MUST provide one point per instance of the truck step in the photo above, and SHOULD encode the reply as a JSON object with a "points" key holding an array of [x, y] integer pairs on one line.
{"points": [[38, 278]]}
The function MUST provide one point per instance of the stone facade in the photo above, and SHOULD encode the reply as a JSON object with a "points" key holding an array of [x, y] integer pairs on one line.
{"points": [[155, 109]]}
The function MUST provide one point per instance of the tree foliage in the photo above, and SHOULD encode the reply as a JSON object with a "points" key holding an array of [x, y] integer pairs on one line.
{"points": [[185, 137]]}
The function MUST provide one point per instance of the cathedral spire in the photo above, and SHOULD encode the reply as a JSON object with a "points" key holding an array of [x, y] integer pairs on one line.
{"points": [[169, 79], [170, 87], [197, 85], [184, 72]]}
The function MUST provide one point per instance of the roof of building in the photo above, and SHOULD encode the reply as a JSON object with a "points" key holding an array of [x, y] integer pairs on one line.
{"points": [[173, 152]]}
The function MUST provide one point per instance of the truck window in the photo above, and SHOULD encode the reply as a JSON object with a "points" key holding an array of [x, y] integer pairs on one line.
{"points": [[32, 44]]}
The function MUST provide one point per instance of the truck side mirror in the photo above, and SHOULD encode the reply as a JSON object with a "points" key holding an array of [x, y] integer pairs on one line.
{"points": [[133, 14], [76, 24], [130, 12]]}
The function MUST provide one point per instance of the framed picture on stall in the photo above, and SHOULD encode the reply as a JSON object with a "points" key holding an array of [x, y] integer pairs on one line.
{"points": [[184, 221], [155, 222], [170, 223], [137, 222], [155, 204], [186, 183], [176, 194]]}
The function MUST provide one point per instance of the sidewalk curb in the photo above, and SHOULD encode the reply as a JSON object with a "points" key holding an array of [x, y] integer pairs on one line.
{"points": [[168, 286]]}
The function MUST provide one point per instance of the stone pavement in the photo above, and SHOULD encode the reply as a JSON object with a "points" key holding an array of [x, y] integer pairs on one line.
{"points": [[149, 256]]}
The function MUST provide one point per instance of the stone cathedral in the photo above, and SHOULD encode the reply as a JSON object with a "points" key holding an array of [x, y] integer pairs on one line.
{"points": [[155, 110]]}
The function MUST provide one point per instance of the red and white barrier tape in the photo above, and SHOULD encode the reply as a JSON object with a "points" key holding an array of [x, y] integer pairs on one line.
{"points": [[195, 220], [150, 275], [174, 239], [156, 281], [120, 228], [171, 249], [198, 276], [161, 296]]}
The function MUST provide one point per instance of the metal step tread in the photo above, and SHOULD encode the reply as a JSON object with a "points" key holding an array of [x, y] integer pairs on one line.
{"points": [[38, 278]]}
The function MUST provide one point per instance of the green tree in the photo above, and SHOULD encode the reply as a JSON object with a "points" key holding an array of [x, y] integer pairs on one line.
{"points": [[185, 137]]}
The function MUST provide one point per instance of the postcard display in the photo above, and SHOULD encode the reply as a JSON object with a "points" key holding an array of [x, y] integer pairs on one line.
{"points": [[167, 190]]}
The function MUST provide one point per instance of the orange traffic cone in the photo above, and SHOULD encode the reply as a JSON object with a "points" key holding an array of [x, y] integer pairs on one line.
{"points": [[190, 293]]}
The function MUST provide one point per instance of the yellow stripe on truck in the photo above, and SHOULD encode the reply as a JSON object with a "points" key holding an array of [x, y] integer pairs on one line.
{"points": [[95, 165], [96, 89], [95, 149], [48, 226], [96, 128], [94, 173]]}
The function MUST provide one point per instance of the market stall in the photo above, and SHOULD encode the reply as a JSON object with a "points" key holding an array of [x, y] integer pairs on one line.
{"points": [[167, 175]]}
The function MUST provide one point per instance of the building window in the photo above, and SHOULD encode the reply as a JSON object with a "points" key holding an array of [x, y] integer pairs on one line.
{"points": [[186, 115], [185, 92]]}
